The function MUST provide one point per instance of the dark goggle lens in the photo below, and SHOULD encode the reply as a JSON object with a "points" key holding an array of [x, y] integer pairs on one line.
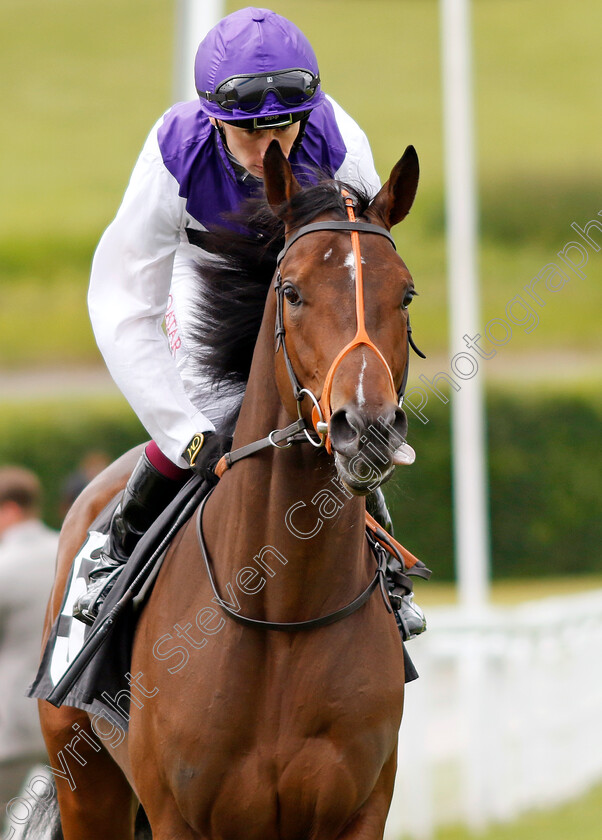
{"points": [[247, 93]]}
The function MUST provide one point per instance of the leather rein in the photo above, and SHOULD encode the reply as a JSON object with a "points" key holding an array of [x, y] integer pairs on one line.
{"points": [[299, 431], [294, 626]]}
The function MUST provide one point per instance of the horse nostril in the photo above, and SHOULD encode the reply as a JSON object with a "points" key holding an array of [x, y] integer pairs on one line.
{"points": [[392, 426], [400, 423], [345, 432]]}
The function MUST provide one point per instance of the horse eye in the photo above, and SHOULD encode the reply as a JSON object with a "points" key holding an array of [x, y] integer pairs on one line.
{"points": [[409, 297], [292, 295]]}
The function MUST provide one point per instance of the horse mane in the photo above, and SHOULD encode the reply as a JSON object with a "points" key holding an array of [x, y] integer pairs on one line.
{"points": [[235, 271]]}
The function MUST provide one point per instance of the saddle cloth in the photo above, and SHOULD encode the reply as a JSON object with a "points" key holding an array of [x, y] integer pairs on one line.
{"points": [[86, 667], [81, 665]]}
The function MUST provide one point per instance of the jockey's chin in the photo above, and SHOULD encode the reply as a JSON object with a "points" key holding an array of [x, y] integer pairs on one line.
{"points": [[248, 146]]}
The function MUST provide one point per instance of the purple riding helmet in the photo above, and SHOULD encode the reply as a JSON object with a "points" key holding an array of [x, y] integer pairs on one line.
{"points": [[257, 69]]}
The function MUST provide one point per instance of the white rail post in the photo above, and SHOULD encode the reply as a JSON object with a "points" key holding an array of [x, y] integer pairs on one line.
{"points": [[468, 438], [194, 20]]}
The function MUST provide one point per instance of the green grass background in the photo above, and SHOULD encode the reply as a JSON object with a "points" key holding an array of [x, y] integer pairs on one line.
{"points": [[553, 476], [83, 82], [579, 819]]}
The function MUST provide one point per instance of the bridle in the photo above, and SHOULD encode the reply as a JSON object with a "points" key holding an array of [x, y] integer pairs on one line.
{"points": [[321, 414], [322, 409]]}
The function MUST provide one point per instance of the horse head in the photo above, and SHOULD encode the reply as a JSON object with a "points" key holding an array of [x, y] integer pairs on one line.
{"points": [[342, 323]]}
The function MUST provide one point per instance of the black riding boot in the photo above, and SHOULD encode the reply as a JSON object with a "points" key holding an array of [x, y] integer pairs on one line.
{"points": [[146, 495], [408, 615]]}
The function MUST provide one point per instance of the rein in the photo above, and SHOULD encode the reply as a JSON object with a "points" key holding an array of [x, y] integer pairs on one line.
{"points": [[299, 431], [293, 626]]}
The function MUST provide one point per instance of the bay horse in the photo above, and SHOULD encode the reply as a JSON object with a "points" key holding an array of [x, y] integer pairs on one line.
{"points": [[241, 731]]}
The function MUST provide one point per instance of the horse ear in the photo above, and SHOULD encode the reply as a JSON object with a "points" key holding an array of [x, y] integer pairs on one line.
{"points": [[393, 202], [279, 181]]}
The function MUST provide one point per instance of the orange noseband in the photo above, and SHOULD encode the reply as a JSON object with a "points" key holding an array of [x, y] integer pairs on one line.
{"points": [[361, 335], [322, 409]]}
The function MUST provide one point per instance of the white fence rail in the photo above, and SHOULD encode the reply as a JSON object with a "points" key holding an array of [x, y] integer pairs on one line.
{"points": [[506, 715]]}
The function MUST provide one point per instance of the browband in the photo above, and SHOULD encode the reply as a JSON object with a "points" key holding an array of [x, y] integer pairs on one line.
{"points": [[360, 227]]}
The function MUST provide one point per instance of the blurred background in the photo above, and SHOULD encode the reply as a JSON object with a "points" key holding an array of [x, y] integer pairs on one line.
{"points": [[84, 82]]}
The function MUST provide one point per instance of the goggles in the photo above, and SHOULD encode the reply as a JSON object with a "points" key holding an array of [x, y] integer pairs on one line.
{"points": [[248, 92]]}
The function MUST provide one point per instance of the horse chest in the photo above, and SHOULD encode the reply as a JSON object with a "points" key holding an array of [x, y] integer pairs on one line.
{"points": [[309, 780], [298, 732]]}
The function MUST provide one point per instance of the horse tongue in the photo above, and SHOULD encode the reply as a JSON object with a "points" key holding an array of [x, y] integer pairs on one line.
{"points": [[404, 455]]}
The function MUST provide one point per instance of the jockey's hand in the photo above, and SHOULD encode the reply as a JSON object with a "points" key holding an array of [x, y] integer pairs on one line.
{"points": [[204, 451]]}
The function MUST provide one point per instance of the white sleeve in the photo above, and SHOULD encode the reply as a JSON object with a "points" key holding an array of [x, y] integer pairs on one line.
{"points": [[358, 166], [127, 299]]}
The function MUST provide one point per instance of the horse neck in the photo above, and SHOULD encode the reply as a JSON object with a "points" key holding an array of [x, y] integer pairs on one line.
{"points": [[271, 501]]}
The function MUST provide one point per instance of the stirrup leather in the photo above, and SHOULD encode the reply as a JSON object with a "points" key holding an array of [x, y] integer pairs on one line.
{"points": [[400, 564]]}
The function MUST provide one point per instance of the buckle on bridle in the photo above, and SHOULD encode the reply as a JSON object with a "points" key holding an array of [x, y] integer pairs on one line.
{"points": [[285, 445], [321, 426]]}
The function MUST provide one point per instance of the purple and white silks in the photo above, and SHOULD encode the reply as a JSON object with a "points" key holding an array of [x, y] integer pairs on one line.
{"points": [[141, 277], [192, 151]]}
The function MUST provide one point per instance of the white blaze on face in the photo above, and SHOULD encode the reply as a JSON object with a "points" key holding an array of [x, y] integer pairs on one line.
{"points": [[350, 264], [361, 399], [328, 254]]}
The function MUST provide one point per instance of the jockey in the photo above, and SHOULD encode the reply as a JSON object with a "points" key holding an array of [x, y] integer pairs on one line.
{"points": [[257, 78]]}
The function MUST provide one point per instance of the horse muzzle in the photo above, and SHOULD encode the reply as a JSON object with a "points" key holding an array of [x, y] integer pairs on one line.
{"points": [[366, 449]]}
